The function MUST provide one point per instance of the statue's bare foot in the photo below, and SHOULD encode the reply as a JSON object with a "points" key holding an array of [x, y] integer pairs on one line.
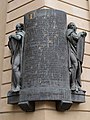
{"points": [[78, 87], [16, 89], [73, 87]]}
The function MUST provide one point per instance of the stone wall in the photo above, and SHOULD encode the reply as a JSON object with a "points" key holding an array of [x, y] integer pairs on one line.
{"points": [[77, 12]]}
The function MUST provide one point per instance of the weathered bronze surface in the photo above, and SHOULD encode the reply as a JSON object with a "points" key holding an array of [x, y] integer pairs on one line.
{"points": [[76, 43], [15, 45], [50, 57], [45, 59]]}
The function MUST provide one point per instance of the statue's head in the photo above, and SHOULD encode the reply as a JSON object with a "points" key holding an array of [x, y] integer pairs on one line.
{"points": [[71, 25], [19, 26]]}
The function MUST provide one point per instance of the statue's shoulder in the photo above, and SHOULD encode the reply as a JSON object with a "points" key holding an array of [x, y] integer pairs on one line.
{"points": [[21, 33], [69, 32]]}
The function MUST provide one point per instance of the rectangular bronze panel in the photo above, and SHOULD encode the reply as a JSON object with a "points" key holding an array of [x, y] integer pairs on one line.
{"points": [[45, 59]]}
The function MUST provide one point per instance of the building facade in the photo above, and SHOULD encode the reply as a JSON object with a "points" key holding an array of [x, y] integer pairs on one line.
{"points": [[11, 13]]}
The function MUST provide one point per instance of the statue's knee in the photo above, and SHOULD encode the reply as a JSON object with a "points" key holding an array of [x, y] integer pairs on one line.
{"points": [[76, 65], [15, 68]]}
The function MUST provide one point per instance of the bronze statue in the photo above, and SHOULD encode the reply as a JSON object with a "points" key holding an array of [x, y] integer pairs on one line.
{"points": [[15, 44], [76, 43]]}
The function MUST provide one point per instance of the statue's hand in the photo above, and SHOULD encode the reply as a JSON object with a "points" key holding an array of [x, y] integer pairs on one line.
{"points": [[83, 34]]}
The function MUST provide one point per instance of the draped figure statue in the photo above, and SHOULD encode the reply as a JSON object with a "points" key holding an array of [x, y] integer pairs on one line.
{"points": [[76, 43], [15, 45]]}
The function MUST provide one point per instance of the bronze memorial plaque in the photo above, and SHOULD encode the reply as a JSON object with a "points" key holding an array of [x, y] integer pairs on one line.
{"points": [[49, 61], [45, 73]]}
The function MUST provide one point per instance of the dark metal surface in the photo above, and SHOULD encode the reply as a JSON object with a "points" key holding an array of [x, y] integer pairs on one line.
{"points": [[63, 105], [78, 97], [13, 97], [47, 71], [76, 43], [45, 59], [27, 106], [15, 45]]}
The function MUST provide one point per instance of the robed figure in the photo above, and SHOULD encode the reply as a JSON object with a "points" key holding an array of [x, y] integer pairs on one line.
{"points": [[15, 45], [76, 43]]}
